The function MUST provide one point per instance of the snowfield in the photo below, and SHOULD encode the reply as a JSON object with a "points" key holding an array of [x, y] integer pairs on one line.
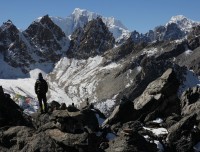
{"points": [[71, 81]]}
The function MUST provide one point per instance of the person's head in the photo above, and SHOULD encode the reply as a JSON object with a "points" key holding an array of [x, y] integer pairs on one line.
{"points": [[40, 76]]}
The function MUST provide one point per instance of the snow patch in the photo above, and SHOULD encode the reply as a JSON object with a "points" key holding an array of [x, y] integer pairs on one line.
{"points": [[191, 80], [159, 145], [111, 66], [139, 68], [157, 131], [188, 52], [8, 72], [158, 120], [105, 106], [151, 52]]}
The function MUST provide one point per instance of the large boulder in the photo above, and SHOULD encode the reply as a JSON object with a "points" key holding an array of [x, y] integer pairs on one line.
{"points": [[158, 97], [184, 134], [122, 113], [15, 138], [70, 122], [76, 121]]}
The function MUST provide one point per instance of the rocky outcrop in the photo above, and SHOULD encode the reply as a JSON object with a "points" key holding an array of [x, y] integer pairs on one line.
{"points": [[60, 130], [184, 134], [132, 142], [158, 96], [190, 101], [159, 100], [10, 113], [154, 102], [122, 113]]}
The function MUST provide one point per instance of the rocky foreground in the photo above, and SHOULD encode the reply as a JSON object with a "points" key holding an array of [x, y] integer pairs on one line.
{"points": [[157, 120]]}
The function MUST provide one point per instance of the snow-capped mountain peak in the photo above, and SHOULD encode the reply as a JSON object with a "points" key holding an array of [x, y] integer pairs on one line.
{"points": [[177, 18], [78, 13], [183, 22], [7, 25], [80, 17]]}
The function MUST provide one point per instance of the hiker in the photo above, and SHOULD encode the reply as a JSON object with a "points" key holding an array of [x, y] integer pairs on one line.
{"points": [[41, 89]]}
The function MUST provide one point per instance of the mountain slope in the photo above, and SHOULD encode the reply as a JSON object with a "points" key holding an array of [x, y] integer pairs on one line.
{"points": [[40, 46]]}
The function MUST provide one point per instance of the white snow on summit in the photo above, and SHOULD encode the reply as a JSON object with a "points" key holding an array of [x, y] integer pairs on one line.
{"points": [[80, 17], [183, 22]]}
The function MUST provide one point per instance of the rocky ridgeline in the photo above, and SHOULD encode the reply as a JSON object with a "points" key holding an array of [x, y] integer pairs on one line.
{"points": [[94, 39], [42, 42], [132, 127]]}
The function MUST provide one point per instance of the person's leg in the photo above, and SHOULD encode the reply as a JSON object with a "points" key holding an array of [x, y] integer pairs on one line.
{"points": [[45, 103], [40, 102]]}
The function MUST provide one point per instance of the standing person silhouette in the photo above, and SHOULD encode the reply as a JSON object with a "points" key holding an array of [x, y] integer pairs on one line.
{"points": [[41, 89]]}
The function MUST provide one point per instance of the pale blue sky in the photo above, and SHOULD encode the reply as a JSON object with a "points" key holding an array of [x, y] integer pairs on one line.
{"points": [[140, 15]]}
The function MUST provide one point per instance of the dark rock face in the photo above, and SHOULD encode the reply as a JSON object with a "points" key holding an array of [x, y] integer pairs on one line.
{"points": [[10, 113], [8, 33], [48, 37], [194, 45], [15, 138], [93, 40], [12, 46], [183, 135], [123, 112], [190, 101], [173, 32]]}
